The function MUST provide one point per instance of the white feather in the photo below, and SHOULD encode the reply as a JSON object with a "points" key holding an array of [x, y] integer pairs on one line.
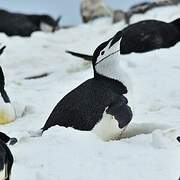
{"points": [[107, 128], [7, 112], [3, 174], [46, 27]]}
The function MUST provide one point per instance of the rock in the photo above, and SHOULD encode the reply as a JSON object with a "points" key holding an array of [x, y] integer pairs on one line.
{"points": [[92, 9], [118, 15]]}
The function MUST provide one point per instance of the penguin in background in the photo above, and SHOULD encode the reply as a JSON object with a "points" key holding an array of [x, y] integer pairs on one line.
{"points": [[98, 104], [13, 24], [145, 36], [7, 112], [6, 157]]}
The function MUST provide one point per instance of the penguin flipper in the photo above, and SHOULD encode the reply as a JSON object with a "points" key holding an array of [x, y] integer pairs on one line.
{"points": [[5, 138], [84, 56], [121, 112], [2, 49], [5, 96]]}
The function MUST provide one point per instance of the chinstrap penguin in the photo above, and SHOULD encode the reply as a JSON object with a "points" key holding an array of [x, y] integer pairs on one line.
{"points": [[24, 25], [145, 36], [6, 157], [7, 112], [97, 104]]}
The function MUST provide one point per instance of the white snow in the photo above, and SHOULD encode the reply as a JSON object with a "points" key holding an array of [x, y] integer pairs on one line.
{"points": [[148, 151]]}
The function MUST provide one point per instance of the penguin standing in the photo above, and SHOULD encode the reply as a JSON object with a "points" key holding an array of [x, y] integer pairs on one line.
{"points": [[97, 104], [6, 157], [145, 36], [7, 112]]}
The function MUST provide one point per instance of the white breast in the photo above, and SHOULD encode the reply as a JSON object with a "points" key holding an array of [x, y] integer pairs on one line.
{"points": [[3, 174], [45, 27], [7, 113], [107, 128]]}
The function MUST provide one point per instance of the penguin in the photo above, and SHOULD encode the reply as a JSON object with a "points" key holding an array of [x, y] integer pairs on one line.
{"points": [[7, 112], [6, 158], [98, 104], [142, 8], [25, 24], [145, 36]]}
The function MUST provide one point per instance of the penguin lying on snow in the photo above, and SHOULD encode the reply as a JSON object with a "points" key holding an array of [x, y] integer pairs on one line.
{"points": [[24, 25], [97, 104], [6, 158], [7, 112], [145, 36]]}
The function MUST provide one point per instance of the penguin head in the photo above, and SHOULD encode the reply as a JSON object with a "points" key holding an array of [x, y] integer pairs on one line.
{"points": [[106, 51], [48, 24], [107, 61]]}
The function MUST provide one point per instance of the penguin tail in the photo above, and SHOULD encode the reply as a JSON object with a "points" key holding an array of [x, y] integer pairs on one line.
{"points": [[80, 55], [37, 133]]}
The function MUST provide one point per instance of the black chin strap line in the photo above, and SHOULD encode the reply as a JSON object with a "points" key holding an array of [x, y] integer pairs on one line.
{"points": [[108, 56]]}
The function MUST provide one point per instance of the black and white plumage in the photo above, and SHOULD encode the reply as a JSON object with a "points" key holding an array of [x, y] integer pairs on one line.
{"points": [[6, 157], [24, 25], [6, 139], [145, 36], [178, 138], [7, 112], [97, 104]]}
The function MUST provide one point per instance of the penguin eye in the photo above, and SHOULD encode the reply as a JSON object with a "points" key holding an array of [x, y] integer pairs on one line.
{"points": [[102, 52]]}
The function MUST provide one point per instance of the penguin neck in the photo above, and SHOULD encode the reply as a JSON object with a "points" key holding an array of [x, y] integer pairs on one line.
{"points": [[112, 69]]}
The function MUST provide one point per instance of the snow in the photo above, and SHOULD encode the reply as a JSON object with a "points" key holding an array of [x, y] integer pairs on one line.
{"points": [[148, 150]]}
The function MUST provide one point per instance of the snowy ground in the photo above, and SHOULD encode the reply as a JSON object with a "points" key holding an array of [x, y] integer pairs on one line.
{"points": [[149, 150]]}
